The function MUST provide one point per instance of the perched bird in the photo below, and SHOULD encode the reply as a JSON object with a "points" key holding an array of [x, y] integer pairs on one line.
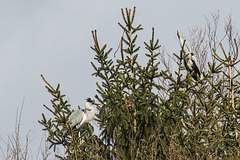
{"points": [[80, 116], [190, 61]]}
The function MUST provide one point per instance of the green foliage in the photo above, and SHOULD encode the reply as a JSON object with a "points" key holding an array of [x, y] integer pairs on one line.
{"points": [[61, 134], [130, 110], [151, 113], [196, 120]]}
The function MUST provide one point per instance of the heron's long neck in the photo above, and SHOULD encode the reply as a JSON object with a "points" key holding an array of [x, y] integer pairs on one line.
{"points": [[184, 48], [90, 114]]}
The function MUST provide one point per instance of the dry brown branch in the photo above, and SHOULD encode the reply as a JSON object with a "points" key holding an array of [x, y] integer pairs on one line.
{"points": [[14, 149], [120, 42], [198, 45], [129, 104]]}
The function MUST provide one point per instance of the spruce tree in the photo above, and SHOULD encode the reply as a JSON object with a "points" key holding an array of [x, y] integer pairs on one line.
{"points": [[149, 112], [61, 134], [130, 108]]}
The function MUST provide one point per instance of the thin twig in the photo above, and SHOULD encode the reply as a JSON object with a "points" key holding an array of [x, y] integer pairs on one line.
{"points": [[236, 70], [120, 42]]}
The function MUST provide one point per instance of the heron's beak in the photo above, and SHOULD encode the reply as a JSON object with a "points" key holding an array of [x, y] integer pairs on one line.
{"points": [[97, 104]]}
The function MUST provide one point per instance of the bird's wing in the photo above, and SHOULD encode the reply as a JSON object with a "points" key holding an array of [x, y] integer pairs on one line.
{"points": [[186, 66], [196, 66], [84, 110], [76, 117], [83, 120]]}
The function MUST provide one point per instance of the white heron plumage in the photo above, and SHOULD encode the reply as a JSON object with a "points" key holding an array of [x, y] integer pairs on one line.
{"points": [[190, 61], [79, 117]]}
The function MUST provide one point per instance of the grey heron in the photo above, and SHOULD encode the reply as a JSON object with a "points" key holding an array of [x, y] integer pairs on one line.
{"points": [[190, 61], [80, 116]]}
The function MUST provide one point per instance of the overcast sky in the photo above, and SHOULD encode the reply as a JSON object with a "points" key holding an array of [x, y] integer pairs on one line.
{"points": [[53, 38]]}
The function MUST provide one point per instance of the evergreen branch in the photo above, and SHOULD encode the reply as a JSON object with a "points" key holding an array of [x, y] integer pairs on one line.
{"points": [[51, 110], [223, 51], [47, 83], [235, 58], [94, 35]]}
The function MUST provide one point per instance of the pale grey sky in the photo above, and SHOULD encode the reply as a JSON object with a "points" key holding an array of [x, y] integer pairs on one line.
{"points": [[53, 38]]}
